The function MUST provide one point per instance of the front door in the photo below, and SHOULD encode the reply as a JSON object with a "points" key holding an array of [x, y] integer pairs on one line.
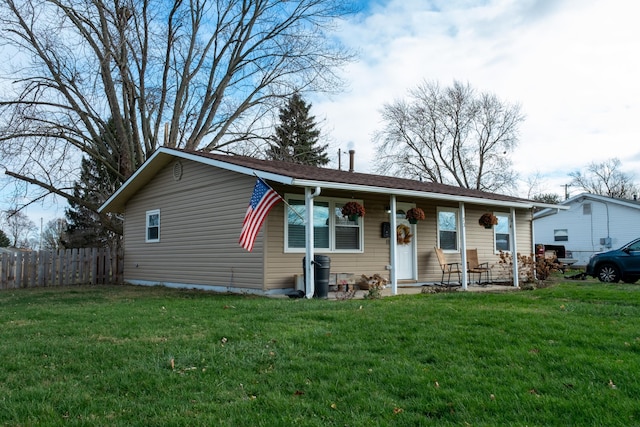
{"points": [[406, 244]]}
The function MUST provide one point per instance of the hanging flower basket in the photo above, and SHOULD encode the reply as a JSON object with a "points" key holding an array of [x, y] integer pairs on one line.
{"points": [[414, 215], [488, 220], [353, 210]]}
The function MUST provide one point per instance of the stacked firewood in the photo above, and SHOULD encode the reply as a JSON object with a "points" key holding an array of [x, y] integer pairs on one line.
{"points": [[372, 282]]}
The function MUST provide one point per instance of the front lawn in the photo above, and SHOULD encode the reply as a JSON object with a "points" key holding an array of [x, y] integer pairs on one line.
{"points": [[121, 356]]}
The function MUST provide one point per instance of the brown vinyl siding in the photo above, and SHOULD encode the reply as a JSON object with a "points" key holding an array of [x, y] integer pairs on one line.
{"points": [[200, 220]]}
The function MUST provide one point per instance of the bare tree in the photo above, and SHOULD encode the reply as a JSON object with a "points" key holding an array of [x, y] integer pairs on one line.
{"points": [[450, 135], [198, 74], [54, 234], [605, 179], [20, 229], [536, 189]]}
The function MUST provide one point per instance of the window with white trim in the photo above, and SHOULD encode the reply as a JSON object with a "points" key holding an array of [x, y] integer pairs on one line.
{"points": [[561, 235], [448, 230], [502, 237], [153, 226], [331, 231]]}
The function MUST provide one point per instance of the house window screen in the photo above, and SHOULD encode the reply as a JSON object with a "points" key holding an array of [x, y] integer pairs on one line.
{"points": [[347, 232], [296, 229], [330, 232], [448, 229], [586, 209], [501, 232], [561, 235], [153, 226]]}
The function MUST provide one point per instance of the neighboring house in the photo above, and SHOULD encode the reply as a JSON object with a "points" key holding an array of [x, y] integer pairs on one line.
{"points": [[183, 213], [591, 224]]}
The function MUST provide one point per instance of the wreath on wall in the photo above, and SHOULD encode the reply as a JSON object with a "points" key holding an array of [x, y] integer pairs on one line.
{"points": [[403, 234]]}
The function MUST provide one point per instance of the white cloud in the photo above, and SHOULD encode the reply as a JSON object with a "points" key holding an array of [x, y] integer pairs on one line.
{"points": [[572, 65]]}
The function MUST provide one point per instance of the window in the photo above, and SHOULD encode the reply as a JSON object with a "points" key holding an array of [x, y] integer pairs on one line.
{"points": [[153, 226], [501, 232], [561, 235], [448, 229], [331, 231]]}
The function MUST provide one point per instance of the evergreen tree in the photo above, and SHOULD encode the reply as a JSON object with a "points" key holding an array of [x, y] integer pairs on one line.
{"points": [[4, 240], [86, 228], [296, 137]]}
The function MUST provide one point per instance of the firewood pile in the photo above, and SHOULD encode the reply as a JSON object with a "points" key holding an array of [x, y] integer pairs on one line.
{"points": [[372, 282]]}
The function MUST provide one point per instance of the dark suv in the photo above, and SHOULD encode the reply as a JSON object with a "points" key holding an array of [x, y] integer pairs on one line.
{"points": [[619, 264]]}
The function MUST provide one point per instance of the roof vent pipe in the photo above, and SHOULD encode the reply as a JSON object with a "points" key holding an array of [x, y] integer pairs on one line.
{"points": [[351, 154]]}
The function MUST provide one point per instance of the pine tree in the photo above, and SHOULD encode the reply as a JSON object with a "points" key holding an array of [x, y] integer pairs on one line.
{"points": [[4, 240], [86, 227], [296, 137]]}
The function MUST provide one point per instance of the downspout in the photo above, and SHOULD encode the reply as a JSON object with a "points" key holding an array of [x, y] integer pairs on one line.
{"points": [[463, 249], [309, 284], [394, 246], [514, 252], [533, 244]]}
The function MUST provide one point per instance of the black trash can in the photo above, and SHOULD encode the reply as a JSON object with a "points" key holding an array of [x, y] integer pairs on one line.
{"points": [[321, 269]]}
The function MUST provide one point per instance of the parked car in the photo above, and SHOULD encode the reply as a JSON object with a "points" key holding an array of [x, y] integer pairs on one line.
{"points": [[618, 264]]}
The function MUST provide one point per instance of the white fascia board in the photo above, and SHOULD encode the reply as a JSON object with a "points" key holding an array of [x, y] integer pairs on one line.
{"points": [[282, 179], [200, 159], [409, 193], [130, 179]]}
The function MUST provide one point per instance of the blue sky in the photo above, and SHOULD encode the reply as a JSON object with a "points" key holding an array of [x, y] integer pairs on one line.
{"points": [[572, 65]]}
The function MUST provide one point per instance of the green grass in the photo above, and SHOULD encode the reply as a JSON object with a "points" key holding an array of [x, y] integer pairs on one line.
{"points": [[564, 355]]}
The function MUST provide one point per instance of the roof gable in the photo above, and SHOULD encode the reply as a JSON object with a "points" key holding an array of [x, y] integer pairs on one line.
{"points": [[580, 198]]}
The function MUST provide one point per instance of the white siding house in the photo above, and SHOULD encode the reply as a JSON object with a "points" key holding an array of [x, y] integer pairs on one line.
{"points": [[592, 224]]}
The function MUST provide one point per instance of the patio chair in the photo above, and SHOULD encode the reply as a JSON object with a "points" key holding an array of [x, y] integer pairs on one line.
{"points": [[448, 268], [476, 267]]}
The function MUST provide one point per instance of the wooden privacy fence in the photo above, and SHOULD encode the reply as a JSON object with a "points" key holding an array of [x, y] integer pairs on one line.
{"points": [[92, 266]]}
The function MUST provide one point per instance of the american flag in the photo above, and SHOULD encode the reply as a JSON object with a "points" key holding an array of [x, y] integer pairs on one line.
{"points": [[262, 200]]}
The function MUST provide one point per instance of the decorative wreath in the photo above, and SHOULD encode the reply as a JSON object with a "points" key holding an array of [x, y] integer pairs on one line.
{"points": [[403, 234]]}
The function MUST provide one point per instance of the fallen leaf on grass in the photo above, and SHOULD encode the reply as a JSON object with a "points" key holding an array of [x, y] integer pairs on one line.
{"points": [[334, 406], [398, 410], [611, 384], [298, 393]]}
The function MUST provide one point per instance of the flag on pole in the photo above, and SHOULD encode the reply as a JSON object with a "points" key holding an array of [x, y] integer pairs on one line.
{"points": [[262, 200]]}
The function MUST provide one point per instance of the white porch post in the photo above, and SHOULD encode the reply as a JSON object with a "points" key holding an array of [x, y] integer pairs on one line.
{"points": [[463, 245], [309, 283], [393, 246], [514, 245]]}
